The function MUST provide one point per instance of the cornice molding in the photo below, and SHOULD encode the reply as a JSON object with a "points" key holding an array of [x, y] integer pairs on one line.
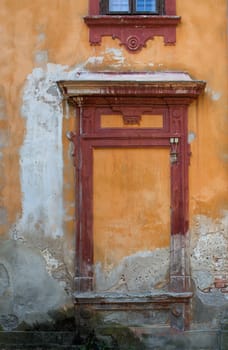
{"points": [[177, 85]]}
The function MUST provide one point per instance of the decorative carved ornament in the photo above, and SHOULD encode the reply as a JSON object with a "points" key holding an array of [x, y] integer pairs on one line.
{"points": [[133, 31], [131, 119]]}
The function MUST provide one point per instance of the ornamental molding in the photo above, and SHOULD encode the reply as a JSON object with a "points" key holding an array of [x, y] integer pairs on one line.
{"points": [[132, 31], [169, 85]]}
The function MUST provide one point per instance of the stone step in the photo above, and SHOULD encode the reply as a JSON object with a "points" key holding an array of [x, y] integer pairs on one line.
{"points": [[118, 339], [38, 340], [56, 347]]}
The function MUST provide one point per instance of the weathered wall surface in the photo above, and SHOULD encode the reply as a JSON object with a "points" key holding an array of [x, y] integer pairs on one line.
{"points": [[43, 42]]}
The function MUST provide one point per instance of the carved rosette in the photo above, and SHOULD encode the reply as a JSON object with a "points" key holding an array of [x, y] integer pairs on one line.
{"points": [[133, 43], [132, 31]]}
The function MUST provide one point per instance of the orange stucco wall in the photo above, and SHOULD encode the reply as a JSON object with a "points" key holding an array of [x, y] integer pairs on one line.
{"points": [[131, 202], [37, 33]]}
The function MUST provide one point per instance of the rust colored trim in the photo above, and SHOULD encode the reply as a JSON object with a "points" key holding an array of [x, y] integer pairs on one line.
{"points": [[94, 7], [133, 31], [93, 137], [167, 89], [170, 7]]}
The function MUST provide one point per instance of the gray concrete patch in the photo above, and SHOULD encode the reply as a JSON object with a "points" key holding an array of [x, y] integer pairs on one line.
{"points": [[28, 292], [139, 272]]}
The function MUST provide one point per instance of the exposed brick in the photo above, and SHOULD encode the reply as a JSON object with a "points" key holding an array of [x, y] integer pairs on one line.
{"points": [[220, 282]]}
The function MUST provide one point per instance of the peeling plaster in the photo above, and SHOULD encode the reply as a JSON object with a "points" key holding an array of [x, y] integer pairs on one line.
{"points": [[139, 272], [117, 56], [41, 37], [41, 159], [215, 95], [94, 60], [191, 136], [51, 262], [41, 56], [41, 154], [209, 247], [111, 58]]}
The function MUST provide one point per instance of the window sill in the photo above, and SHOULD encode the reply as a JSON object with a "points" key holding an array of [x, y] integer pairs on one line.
{"points": [[108, 299], [175, 305], [137, 29]]}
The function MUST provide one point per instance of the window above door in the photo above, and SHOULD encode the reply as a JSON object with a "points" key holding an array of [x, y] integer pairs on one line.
{"points": [[133, 22], [131, 7]]}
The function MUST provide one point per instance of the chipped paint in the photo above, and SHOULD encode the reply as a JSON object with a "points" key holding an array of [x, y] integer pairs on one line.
{"points": [[41, 57], [94, 60], [41, 155], [215, 95], [51, 262], [142, 271], [41, 159], [110, 58], [116, 55], [191, 136], [209, 246]]}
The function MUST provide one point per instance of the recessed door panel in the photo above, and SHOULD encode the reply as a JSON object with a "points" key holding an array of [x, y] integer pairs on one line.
{"points": [[131, 202]]}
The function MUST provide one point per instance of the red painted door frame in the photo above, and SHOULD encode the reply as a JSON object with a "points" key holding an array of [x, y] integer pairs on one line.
{"points": [[131, 95], [173, 136]]}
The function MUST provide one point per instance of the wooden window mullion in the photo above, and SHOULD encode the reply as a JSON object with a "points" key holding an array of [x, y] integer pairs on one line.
{"points": [[132, 6]]}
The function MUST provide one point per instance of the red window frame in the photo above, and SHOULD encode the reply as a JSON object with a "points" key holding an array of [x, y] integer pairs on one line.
{"points": [[170, 7], [104, 9]]}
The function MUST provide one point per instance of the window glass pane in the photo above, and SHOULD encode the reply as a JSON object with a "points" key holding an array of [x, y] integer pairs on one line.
{"points": [[118, 5], [146, 5]]}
